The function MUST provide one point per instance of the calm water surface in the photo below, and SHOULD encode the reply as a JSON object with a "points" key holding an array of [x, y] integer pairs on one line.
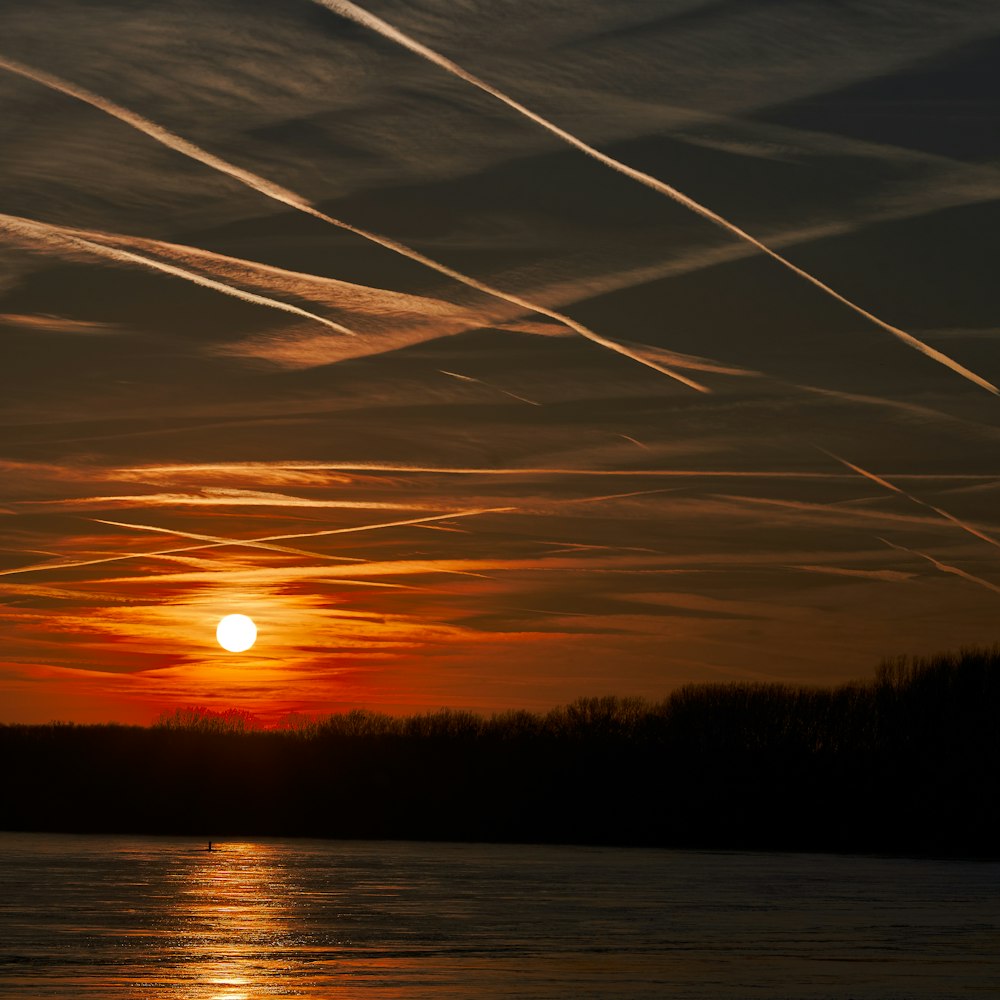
{"points": [[151, 917]]}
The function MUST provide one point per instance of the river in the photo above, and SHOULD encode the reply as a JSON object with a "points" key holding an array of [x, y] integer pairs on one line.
{"points": [[130, 917]]}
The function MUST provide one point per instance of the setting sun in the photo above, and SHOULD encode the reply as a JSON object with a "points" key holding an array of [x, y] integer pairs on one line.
{"points": [[236, 633]]}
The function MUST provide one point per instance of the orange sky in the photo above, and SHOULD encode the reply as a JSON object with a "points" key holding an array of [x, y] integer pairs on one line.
{"points": [[459, 415]]}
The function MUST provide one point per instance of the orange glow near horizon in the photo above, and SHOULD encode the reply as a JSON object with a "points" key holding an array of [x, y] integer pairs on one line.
{"points": [[417, 617], [448, 453]]}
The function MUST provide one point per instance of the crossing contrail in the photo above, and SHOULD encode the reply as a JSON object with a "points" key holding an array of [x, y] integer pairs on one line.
{"points": [[885, 484], [214, 541], [218, 542], [286, 197], [368, 20], [942, 566], [68, 238]]}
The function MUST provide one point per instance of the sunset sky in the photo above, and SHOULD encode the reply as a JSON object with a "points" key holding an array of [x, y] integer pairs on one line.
{"points": [[340, 323]]}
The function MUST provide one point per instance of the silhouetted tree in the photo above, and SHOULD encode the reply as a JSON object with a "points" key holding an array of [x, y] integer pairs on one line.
{"points": [[909, 761]]}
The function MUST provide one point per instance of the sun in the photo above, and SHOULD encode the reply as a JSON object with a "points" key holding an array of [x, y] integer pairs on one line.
{"points": [[236, 633]]}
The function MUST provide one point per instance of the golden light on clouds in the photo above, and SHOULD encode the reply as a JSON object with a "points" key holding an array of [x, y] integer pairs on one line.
{"points": [[426, 466]]}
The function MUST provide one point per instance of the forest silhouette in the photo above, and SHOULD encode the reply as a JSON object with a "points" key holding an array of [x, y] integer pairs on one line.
{"points": [[907, 762]]}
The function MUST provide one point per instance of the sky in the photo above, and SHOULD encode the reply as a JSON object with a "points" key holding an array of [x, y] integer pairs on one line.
{"points": [[492, 354]]}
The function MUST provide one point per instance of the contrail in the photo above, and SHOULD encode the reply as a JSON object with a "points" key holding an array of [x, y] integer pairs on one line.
{"points": [[360, 16], [212, 542], [827, 511], [394, 524], [490, 385], [258, 468], [885, 484], [263, 542], [634, 441], [268, 542], [280, 194], [943, 567], [88, 242], [224, 498], [618, 496], [43, 567], [154, 131], [217, 542], [888, 575], [220, 540]]}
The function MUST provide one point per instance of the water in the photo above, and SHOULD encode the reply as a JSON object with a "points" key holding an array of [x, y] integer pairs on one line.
{"points": [[152, 917]]}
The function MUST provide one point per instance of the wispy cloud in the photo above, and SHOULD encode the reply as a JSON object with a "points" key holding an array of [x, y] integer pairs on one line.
{"points": [[218, 498], [276, 575], [251, 468], [65, 239], [357, 14], [885, 484], [58, 324], [292, 200], [925, 414], [944, 567], [490, 385], [887, 575], [828, 512], [217, 541]]}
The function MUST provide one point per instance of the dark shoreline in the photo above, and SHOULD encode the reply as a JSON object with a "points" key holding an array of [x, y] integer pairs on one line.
{"points": [[240, 840], [907, 764]]}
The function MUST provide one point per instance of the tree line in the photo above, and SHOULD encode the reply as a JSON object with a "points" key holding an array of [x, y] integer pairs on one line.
{"points": [[906, 762]]}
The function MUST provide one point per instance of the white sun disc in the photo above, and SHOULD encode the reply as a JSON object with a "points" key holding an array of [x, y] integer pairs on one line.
{"points": [[236, 633]]}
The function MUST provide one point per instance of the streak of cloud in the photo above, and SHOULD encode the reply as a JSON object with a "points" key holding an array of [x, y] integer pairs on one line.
{"points": [[396, 524], [214, 541], [923, 413], [169, 554], [691, 362], [845, 515], [57, 324], [635, 441], [888, 575], [269, 542], [885, 484], [490, 385], [289, 198], [943, 567], [273, 575], [620, 496], [66, 238], [399, 319], [252, 468], [217, 541], [218, 497], [360, 16]]}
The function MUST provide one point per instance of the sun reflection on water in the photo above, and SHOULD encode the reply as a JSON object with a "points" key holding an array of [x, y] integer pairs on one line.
{"points": [[233, 934], [160, 919]]}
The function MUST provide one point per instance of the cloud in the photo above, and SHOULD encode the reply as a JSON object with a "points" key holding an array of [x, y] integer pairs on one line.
{"points": [[217, 541], [219, 498], [289, 198], [945, 567], [885, 484], [489, 385], [315, 468], [63, 239], [457, 470], [58, 324], [840, 514], [888, 575], [355, 13]]}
